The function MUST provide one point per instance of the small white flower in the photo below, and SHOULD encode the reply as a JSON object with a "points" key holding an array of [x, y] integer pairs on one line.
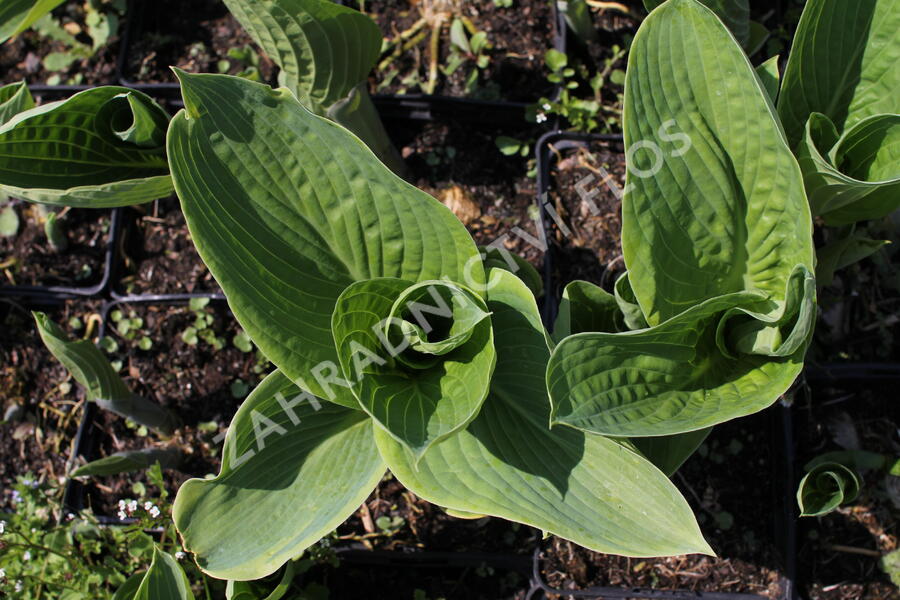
{"points": [[546, 107], [540, 117], [147, 505], [154, 512], [70, 517], [122, 515], [121, 505], [27, 556], [16, 497], [132, 506], [179, 555], [2, 527], [20, 585], [2, 573]]}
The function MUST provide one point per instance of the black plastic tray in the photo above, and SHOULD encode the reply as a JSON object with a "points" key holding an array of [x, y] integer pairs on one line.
{"points": [[98, 289]]}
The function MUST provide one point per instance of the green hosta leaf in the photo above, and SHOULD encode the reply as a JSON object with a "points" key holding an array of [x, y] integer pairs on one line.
{"points": [[844, 63], [288, 209], [715, 203], [669, 452], [164, 579], [770, 77], [506, 463], [856, 177], [579, 19], [128, 589], [90, 368], [324, 49], [587, 307], [102, 147], [825, 487], [247, 590], [734, 13], [14, 98], [130, 461], [717, 361], [436, 382], [501, 258], [292, 471], [848, 249], [858, 460], [18, 15]]}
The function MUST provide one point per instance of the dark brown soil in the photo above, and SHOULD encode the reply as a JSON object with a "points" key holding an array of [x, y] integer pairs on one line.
{"points": [[417, 524], [159, 256], [21, 58], [837, 560], [38, 440], [194, 382], [591, 250], [736, 514], [461, 166], [193, 36], [520, 35], [28, 259]]}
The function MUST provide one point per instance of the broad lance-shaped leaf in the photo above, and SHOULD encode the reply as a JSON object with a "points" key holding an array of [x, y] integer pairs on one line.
{"points": [[292, 470], [164, 579], [844, 63], [507, 463], [129, 462], [825, 487], [420, 356], [856, 177], [18, 15], [715, 201], [14, 98], [325, 52], [101, 148], [102, 384], [287, 209]]}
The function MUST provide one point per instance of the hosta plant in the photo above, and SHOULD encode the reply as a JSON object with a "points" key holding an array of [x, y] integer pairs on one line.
{"points": [[840, 105], [397, 348], [713, 317]]}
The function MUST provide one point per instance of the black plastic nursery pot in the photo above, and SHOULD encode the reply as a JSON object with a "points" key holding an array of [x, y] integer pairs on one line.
{"points": [[589, 163], [412, 106], [96, 255]]}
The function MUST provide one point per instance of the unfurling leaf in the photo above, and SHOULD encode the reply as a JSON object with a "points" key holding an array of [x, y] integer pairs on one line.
{"points": [[102, 147], [825, 487]]}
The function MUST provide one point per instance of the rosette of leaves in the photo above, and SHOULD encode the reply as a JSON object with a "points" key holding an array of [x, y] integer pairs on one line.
{"points": [[328, 260], [325, 52], [713, 317], [101, 148], [839, 102]]}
